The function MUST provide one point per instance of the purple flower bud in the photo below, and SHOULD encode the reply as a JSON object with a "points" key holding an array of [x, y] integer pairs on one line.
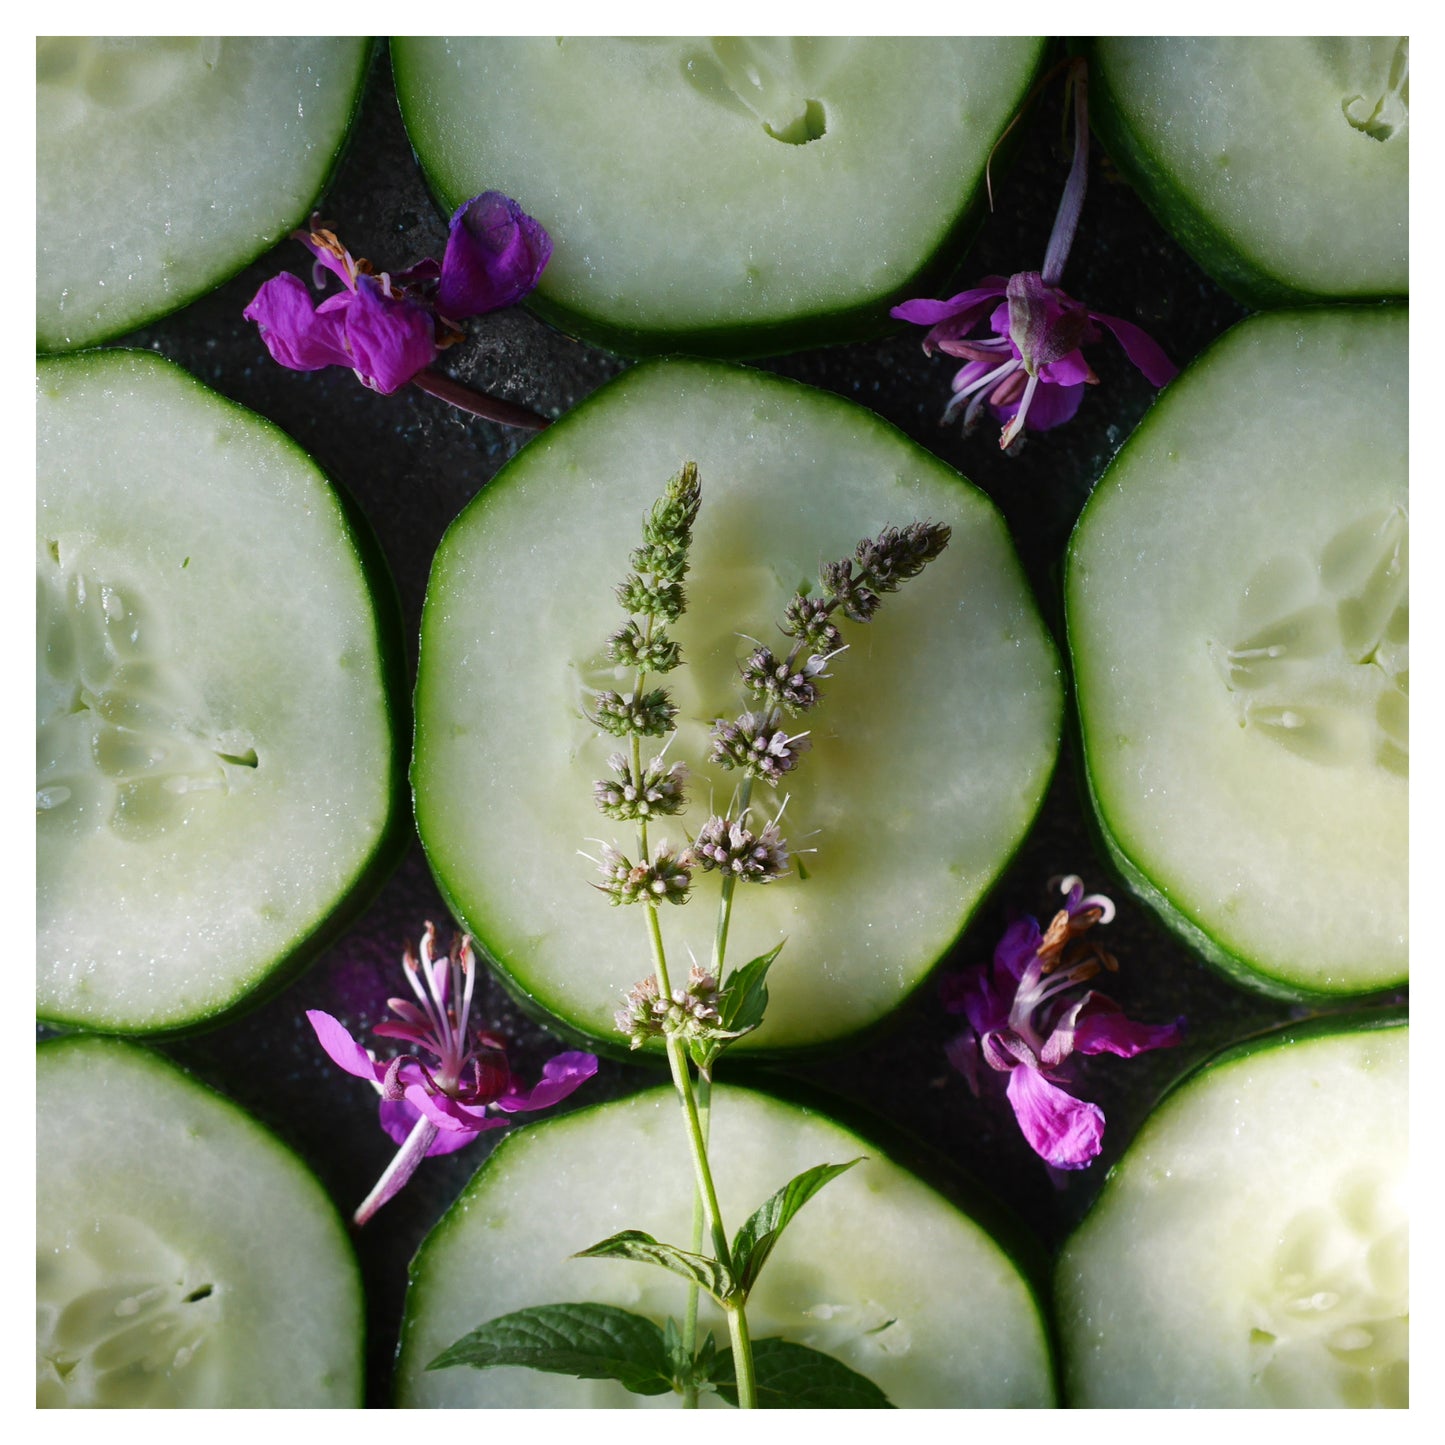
{"points": [[495, 256]]}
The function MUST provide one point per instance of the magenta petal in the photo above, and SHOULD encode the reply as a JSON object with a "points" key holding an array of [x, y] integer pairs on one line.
{"points": [[390, 338], [961, 311], [1062, 1130], [495, 255], [1068, 370], [1103, 1029], [925, 312], [419, 1034], [976, 992], [560, 1077], [449, 1115], [296, 334], [1017, 947], [1052, 406], [398, 1118], [1141, 349], [341, 1048]]}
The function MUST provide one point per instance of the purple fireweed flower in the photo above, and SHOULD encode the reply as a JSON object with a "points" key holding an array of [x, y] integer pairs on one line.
{"points": [[1021, 1024], [389, 328], [438, 1107], [1031, 372]]}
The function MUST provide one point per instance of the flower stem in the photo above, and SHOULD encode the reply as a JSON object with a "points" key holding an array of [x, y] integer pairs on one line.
{"points": [[1071, 203], [401, 1168], [689, 1319], [697, 1144], [489, 408]]}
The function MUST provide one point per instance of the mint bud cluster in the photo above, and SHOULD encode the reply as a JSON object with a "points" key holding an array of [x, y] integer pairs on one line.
{"points": [[653, 594], [754, 743]]}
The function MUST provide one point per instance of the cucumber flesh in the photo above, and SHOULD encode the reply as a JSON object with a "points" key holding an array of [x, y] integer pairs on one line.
{"points": [[877, 1270], [725, 195], [1237, 601], [930, 751], [1281, 164], [1252, 1247], [165, 164], [215, 761], [184, 1256]]}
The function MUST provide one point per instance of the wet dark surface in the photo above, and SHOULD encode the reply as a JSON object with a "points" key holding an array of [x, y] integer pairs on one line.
{"points": [[412, 463]]}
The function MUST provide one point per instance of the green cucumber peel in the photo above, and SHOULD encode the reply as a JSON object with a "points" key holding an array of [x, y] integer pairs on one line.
{"points": [[1237, 255], [177, 253], [349, 647], [185, 1255], [751, 294], [1250, 1248], [1297, 547]]}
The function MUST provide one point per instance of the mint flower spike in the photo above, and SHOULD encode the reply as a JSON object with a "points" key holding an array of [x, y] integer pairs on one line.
{"points": [[754, 743], [1031, 372], [389, 329], [1022, 1025], [440, 1107]]}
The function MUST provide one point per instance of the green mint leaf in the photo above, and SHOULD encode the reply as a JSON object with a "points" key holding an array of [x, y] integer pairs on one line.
{"points": [[642, 1248], [793, 1377], [755, 1240], [590, 1341], [745, 994]]}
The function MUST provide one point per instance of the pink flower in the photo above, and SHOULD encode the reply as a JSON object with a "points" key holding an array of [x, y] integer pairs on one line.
{"points": [[1022, 1025], [1031, 371], [439, 1107], [388, 329]]}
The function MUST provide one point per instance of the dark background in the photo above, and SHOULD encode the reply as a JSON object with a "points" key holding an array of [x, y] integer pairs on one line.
{"points": [[412, 464]]}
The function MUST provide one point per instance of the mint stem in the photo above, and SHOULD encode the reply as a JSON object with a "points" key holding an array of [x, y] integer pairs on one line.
{"points": [[697, 1144]]}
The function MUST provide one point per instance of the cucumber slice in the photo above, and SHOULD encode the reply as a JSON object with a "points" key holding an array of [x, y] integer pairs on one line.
{"points": [[729, 196], [1251, 1248], [1237, 615], [184, 1256], [1282, 165], [166, 164], [216, 771], [930, 753], [878, 1270]]}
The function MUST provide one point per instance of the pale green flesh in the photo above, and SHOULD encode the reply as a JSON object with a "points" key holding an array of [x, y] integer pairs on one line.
{"points": [[1296, 149], [1252, 1248], [655, 167], [213, 746], [931, 748], [877, 1269], [1237, 613], [184, 1257], [163, 165]]}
